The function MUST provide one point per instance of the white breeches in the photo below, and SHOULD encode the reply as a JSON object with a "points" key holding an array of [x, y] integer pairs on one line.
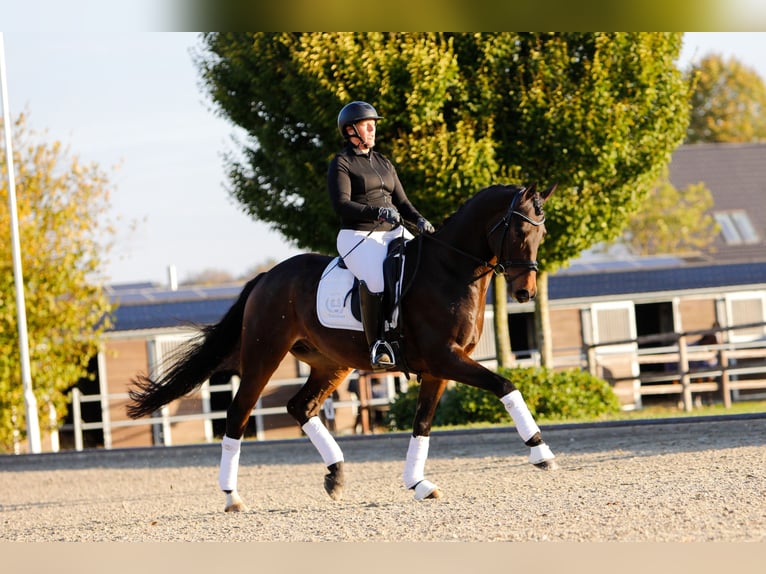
{"points": [[364, 252]]}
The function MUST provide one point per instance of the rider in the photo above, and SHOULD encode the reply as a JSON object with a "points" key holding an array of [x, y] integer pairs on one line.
{"points": [[366, 193]]}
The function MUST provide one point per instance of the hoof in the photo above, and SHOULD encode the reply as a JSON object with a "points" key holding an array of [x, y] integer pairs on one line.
{"points": [[426, 489], [334, 481], [234, 503], [542, 457], [547, 465]]}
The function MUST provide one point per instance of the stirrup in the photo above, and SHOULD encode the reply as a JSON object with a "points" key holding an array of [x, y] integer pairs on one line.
{"points": [[383, 358]]}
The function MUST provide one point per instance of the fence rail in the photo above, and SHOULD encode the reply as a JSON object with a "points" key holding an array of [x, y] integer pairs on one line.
{"points": [[163, 420], [668, 365], [678, 364]]}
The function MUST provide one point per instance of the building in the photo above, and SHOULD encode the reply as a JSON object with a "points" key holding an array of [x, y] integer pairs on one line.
{"points": [[593, 303]]}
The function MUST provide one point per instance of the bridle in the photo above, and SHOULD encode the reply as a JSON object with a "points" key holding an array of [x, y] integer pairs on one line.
{"points": [[501, 267], [504, 266]]}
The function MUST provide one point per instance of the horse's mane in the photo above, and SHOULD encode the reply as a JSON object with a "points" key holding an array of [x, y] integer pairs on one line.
{"points": [[478, 196]]}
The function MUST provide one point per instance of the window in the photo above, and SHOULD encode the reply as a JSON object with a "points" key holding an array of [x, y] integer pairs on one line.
{"points": [[746, 308], [736, 227]]}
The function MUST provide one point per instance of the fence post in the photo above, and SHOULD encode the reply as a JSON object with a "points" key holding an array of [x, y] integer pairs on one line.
{"points": [[260, 428], [103, 390], [53, 421], [723, 362], [683, 365], [207, 423], [77, 418]]}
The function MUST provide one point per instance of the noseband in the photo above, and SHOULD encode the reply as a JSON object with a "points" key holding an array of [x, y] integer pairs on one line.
{"points": [[505, 266]]}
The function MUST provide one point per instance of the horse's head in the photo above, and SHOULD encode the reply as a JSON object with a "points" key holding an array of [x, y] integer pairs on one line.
{"points": [[515, 239]]}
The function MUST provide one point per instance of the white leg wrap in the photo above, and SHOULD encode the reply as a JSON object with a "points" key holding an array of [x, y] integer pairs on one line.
{"points": [[522, 418], [415, 465], [227, 473], [323, 441]]}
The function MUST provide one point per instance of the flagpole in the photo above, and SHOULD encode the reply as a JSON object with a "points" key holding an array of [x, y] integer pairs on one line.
{"points": [[30, 403]]}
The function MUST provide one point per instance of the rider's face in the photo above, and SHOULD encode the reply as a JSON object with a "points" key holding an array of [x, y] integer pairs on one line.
{"points": [[366, 129]]}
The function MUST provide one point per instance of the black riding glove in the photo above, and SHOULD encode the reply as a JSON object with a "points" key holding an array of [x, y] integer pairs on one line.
{"points": [[389, 215], [424, 226]]}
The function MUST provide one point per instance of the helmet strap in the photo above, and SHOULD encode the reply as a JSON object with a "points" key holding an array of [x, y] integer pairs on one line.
{"points": [[356, 134]]}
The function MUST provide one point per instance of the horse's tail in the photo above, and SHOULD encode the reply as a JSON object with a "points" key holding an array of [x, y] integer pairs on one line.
{"points": [[193, 363]]}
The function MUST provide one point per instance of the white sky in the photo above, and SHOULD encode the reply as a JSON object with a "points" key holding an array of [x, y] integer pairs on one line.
{"points": [[133, 99]]}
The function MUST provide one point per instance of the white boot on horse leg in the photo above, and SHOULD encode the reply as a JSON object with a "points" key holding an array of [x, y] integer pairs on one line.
{"points": [[414, 469], [540, 454], [227, 474], [331, 454]]}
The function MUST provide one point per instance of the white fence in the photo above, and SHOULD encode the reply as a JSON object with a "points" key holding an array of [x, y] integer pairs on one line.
{"points": [[730, 371], [162, 421]]}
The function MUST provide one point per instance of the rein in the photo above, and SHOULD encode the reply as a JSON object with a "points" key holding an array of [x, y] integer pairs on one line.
{"points": [[362, 240]]}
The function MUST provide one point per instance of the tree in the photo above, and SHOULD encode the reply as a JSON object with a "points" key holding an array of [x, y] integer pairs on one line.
{"points": [[441, 146], [728, 102], [61, 204], [599, 113], [672, 220]]}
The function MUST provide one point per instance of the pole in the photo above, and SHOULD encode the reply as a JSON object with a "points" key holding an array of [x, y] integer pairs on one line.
{"points": [[30, 403]]}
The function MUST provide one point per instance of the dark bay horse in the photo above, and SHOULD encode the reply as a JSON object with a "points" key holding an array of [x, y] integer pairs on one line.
{"points": [[442, 314]]}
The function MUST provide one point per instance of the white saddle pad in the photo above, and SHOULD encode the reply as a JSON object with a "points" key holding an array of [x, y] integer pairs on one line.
{"points": [[333, 306]]}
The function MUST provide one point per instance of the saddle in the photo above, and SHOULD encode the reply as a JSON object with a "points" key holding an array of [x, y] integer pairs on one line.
{"points": [[337, 298], [393, 275]]}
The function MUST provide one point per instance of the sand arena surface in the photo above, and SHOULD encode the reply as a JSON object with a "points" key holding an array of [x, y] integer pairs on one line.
{"points": [[694, 480]]}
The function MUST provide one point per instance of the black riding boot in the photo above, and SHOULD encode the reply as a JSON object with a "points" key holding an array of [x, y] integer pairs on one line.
{"points": [[381, 353]]}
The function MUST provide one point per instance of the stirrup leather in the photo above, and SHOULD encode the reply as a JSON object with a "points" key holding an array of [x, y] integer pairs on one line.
{"points": [[382, 355]]}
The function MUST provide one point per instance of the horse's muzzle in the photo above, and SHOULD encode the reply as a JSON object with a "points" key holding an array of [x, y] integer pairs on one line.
{"points": [[523, 295]]}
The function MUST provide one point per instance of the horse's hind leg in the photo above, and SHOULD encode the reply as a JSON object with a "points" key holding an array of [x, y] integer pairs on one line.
{"points": [[431, 390], [304, 408], [260, 358]]}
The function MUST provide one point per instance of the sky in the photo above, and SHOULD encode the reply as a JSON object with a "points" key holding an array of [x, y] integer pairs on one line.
{"points": [[132, 102]]}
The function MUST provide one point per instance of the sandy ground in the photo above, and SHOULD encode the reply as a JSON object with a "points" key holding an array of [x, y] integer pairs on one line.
{"points": [[677, 481]]}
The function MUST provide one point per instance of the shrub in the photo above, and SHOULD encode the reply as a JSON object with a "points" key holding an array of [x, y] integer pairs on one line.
{"points": [[550, 395]]}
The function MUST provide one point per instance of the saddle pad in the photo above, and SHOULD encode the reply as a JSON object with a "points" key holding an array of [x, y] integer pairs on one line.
{"points": [[333, 308]]}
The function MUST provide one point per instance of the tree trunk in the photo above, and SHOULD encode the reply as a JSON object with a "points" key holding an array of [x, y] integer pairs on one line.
{"points": [[543, 321], [500, 319]]}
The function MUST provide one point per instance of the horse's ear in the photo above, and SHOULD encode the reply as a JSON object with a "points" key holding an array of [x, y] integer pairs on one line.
{"points": [[547, 193]]}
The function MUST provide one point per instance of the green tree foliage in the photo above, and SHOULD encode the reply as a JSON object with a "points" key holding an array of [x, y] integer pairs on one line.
{"points": [[728, 102], [286, 90], [61, 205], [599, 113], [672, 221]]}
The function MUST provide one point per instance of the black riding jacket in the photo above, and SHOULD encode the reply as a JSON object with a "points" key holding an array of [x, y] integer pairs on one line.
{"points": [[361, 183]]}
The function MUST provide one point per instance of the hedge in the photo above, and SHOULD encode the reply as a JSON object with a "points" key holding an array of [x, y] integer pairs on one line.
{"points": [[550, 395]]}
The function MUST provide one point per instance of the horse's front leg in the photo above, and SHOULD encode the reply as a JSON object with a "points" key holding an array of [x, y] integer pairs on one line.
{"points": [[540, 454], [304, 407], [466, 370], [431, 390]]}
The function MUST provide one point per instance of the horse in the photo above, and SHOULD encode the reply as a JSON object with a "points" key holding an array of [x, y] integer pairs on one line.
{"points": [[446, 278]]}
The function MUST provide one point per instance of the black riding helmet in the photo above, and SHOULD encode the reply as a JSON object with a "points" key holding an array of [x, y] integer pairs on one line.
{"points": [[355, 112]]}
